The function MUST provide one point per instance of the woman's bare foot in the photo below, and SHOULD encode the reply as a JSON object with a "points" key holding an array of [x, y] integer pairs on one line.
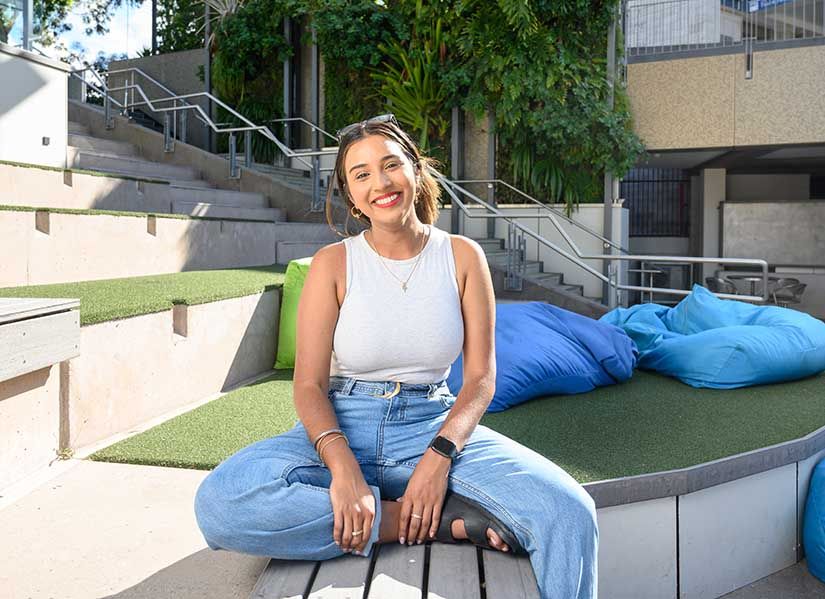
{"points": [[391, 512]]}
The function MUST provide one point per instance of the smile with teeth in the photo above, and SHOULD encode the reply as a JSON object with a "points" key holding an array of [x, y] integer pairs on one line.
{"points": [[388, 201]]}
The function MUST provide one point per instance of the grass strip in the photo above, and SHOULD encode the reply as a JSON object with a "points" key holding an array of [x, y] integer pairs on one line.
{"points": [[129, 213], [82, 171], [112, 299], [649, 424]]}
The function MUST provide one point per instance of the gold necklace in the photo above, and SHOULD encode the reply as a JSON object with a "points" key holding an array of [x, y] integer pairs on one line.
{"points": [[420, 253]]}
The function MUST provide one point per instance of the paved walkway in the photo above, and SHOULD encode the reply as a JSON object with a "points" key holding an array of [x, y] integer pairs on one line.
{"points": [[92, 529]]}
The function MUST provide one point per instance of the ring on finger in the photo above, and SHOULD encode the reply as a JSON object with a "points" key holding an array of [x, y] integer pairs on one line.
{"points": [[416, 516], [357, 532]]}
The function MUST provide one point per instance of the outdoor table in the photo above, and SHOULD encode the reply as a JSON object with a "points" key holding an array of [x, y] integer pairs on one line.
{"points": [[752, 279]]}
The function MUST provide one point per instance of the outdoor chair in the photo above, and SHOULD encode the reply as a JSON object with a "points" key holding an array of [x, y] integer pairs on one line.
{"points": [[787, 291], [719, 284]]}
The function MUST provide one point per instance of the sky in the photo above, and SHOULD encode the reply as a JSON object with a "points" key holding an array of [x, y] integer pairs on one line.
{"points": [[130, 30]]}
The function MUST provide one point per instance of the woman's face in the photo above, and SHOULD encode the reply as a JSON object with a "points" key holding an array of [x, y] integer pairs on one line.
{"points": [[381, 179]]}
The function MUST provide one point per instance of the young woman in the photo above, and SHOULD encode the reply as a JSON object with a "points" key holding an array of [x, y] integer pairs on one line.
{"points": [[384, 452]]}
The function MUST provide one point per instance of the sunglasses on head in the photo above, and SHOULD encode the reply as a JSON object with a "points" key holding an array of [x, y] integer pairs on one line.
{"points": [[381, 118]]}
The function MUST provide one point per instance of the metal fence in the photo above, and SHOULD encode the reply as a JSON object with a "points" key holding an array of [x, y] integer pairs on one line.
{"points": [[658, 201], [664, 26]]}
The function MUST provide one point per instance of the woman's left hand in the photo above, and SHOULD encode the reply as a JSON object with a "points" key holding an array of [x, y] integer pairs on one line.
{"points": [[423, 496]]}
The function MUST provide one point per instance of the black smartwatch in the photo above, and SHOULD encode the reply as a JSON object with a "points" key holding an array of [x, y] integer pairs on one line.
{"points": [[443, 446]]}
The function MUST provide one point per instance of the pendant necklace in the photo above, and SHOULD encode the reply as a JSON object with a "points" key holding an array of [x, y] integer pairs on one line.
{"points": [[420, 253]]}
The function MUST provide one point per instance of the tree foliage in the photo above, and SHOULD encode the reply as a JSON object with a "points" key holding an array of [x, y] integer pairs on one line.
{"points": [[538, 65]]}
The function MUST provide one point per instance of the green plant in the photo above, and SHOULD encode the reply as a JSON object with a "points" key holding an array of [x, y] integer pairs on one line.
{"points": [[409, 82]]}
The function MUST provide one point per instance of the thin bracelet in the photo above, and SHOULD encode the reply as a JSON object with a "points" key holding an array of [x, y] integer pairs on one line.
{"points": [[324, 434], [330, 442], [341, 433]]}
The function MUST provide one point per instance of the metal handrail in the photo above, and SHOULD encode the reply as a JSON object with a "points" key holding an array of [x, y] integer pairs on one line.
{"points": [[312, 125], [554, 212], [155, 106], [451, 187]]}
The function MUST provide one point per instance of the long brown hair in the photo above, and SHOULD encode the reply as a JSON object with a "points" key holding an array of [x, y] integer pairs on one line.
{"points": [[428, 191]]}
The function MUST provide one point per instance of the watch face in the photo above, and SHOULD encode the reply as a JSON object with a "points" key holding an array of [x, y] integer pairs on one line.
{"points": [[444, 446]]}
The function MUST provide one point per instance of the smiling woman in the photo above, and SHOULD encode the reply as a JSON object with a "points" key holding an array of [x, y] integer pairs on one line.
{"points": [[383, 451]]}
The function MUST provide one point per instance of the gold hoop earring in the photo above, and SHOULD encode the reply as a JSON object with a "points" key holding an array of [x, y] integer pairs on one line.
{"points": [[352, 211]]}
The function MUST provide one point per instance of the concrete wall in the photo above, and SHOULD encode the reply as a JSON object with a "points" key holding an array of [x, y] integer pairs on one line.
{"points": [[33, 93], [136, 369], [760, 188], [178, 71], [706, 102], [49, 249], [590, 215], [22, 186], [29, 423]]}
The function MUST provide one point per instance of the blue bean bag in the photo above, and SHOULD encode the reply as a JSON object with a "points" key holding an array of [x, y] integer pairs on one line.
{"points": [[813, 526], [705, 341], [545, 350]]}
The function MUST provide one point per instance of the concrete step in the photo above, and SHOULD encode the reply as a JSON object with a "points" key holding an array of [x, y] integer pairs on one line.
{"points": [[285, 251], [548, 278], [531, 266], [492, 245], [217, 211], [305, 232], [111, 163], [106, 146], [223, 197], [79, 128]]}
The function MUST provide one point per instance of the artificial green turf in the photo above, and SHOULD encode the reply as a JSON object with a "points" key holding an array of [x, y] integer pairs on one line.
{"points": [[648, 424], [82, 171], [111, 299], [120, 213]]}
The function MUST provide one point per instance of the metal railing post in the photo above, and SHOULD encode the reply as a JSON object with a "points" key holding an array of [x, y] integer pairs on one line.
{"points": [[107, 111], [247, 149], [184, 118], [233, 164], [167, 133]]}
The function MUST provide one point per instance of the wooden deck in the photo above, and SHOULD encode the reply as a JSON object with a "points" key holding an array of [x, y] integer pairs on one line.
{"points": [[428, 571]]}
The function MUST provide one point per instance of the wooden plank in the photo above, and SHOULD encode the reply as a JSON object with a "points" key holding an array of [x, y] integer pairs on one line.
{"points": [[453, 572], [508, 577], [29, 345], [283, 579], [19, 308], [344, 577], [398, 573]]}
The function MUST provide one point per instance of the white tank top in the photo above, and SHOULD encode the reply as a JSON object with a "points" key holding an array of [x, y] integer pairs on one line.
{"points": [[386, 334]]}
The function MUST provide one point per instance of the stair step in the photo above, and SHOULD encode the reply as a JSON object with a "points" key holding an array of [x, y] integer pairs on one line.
{"points": [[550, 278], [531, 266], [106, 146], [217, 211], [491, 244], [99, 161], [305, 232], [79, 128], [285, 251], [577, 289], [598, 300], [187, 193]]}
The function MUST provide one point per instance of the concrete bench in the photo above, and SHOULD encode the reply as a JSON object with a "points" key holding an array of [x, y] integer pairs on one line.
{"points": [[428, 571]]}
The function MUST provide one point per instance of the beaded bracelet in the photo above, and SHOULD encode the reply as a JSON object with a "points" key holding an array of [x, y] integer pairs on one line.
{"points": [[330, 442], [324, 434]]}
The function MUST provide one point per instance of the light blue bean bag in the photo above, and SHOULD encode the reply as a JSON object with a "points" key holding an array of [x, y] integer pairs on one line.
{"points": [[705, 341], [813, 527], [545, 350]]}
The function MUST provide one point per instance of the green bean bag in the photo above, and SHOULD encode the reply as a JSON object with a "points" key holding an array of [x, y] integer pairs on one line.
{"points": [[296, 274]]}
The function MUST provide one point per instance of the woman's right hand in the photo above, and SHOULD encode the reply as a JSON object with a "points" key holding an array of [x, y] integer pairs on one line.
{"points": [[353, 506]]}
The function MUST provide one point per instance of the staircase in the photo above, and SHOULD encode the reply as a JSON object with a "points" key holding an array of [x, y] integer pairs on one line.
{"points": [[538, 285], [181, 186]]}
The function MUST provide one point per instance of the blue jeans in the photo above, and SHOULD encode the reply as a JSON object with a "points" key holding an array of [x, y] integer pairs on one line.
{"points": [[272, 497]]}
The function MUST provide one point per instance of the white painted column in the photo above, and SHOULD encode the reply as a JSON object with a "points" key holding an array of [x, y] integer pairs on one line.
{"points": [[712, 193]]}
